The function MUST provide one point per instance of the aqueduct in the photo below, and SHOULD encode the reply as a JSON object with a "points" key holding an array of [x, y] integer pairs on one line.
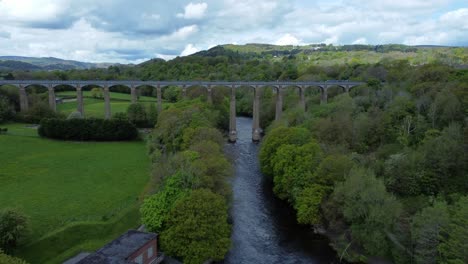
{"points": [[257, 87]]}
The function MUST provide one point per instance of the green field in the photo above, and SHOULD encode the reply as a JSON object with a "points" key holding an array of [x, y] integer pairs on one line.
{"points": [[113, 95], [61, 185], [94, 107]]}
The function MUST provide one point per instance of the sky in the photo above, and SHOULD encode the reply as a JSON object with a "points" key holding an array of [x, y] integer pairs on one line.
{"points": [[133, 31]]}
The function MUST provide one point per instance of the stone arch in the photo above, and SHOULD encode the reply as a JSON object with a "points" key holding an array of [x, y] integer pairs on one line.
{"points": [[313, 94], [195, 90], [334, 90], [142, 89]]}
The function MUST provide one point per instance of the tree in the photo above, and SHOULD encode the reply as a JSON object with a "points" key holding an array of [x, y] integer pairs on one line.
{"points": [[308, 204], [454, 247], [155, 209], [137, 115], [426, 230], [370, 210], [197, 228], [277, 137], [445, 162], [14, 227], [6, 109], [404, 174], [5, 259], [96, 92], [333, 169], [152, 115], [293, 167]]}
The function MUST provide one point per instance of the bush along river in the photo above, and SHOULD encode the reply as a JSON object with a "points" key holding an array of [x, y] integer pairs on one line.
{"points": [[265, 228]]}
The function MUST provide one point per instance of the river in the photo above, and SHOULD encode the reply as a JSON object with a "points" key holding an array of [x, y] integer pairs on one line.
{"points": [[264, 228]]}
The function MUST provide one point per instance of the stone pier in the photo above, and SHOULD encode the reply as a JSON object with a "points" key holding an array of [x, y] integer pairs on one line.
{"points": [[134, 94], [232, 116], [107, 102], [79, 100], [159, 95], [23, 95], [279, 103], [302, 103], [52, 103], [256, 130]]}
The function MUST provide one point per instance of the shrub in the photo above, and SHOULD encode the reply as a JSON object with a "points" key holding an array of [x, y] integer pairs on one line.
{"points": [[6, 109], [13, 229], [96, 93], [37, 112], [88, 129], [137, 115]]}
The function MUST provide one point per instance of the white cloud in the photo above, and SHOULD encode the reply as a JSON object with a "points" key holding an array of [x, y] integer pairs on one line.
{"points": [[456, 18], [189, 49], [25, 11], [287, 39], [360, 41], [120, 31], [182, 33], [194, 11]]}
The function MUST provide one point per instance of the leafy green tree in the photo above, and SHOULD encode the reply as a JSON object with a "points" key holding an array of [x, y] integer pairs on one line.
{"points": [[155, 209], [308, 204], [293, 167], [453, 247], [172, 94], [197, 228], [152, 115], [137, 115], [405, 174], [96, 93], [277, 137], [444, 158], [14, 227], [426, 230], [370, 210], [332, 169], [194, 135], [6, 109]]}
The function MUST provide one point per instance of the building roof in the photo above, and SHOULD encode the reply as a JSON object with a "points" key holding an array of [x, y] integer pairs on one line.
{"points": [[117, 251]]}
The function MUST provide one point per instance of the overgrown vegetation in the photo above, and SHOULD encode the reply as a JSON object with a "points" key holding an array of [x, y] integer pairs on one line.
{"points": [[382, 169], [189, 208]]}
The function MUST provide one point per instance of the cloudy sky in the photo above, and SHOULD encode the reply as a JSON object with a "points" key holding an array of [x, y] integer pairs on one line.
{"points": [[137, 30]]}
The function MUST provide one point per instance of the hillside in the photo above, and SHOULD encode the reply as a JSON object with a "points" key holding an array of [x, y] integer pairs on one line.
{"points": [[45, 63]]}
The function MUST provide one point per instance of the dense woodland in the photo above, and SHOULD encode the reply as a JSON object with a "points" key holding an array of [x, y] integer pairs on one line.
{"points": [[382, 171]]}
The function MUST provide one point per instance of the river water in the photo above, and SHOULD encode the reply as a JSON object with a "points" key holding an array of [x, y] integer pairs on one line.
{"points": [[264, 228]]}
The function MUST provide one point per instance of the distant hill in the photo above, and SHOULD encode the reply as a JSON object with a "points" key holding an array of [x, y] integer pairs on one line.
{"points": [[327, 55], [45, 63]]}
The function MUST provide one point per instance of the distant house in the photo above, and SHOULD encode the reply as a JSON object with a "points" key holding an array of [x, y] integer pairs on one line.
{"points": [[130, 248]]}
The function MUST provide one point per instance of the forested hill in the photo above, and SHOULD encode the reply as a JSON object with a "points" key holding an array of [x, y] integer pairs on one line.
{"points": [[35, 64], [233, 62]]}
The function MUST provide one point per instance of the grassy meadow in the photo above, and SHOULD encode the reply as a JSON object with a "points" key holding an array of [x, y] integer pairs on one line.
{"points": [[94, 107], [73, 192]]}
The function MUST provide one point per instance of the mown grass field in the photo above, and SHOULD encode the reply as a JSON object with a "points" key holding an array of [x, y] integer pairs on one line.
{"points": [[63, 184], [94, 107]]}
